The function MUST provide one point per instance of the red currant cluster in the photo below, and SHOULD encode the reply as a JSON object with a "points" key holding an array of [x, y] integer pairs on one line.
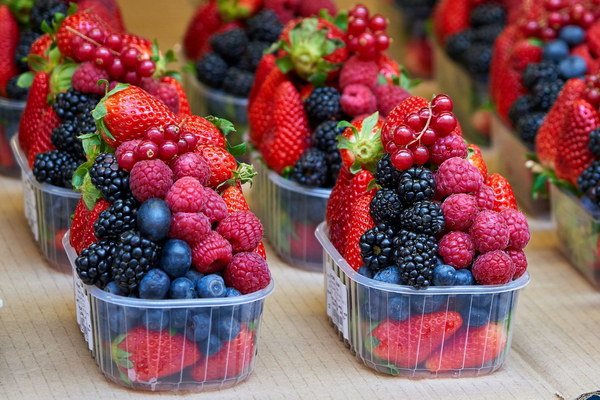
{"points": [[164, 143], [409, 143], [366, 36], [121, 61], [560, 13], [592, 90]]}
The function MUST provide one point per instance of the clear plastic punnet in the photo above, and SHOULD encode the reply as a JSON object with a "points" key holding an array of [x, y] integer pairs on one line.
{"points": [[10, 115], [419, 333], [48, 211], [290, 213], [169, 345]]}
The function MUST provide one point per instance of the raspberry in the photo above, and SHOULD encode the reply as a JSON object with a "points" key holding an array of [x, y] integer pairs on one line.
{"points": [[460, 211], [215, 208], [190, 227], [357, 71], [247, 272], [485, 198], [86, 76], [489, 231], [150, 178], [243, 230], [457, 175], [168, 95], [211, 254], [388, 97], [520, 260], [457, 249], [518, 228], [493, 268], [447, 147], [358, 99], [186, 195], [191, 164]]}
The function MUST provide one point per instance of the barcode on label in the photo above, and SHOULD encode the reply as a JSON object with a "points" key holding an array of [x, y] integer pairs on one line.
{"points": [[82, 308], [30, 207], [337, 300]]}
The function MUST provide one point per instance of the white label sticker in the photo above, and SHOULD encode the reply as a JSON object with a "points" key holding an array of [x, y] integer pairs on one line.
{"points": [[82, 308], [337, 300], [30, 208]]}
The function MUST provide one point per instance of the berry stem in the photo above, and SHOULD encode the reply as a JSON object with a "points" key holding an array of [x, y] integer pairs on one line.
{"points": [[418, 138], [92, 41]]}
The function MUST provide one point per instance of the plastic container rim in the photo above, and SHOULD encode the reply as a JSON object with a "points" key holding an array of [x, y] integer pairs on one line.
{"points": [[321, 234], [577, 200], [217, 93], [184, 303], [291, 185], [12, 104]]}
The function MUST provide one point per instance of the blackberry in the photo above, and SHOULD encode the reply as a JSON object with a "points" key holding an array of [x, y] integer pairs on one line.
{"points": [[323, 104], [26, 39], [211, 70], [589, 178], [386, 207], [238, 82], [594, 144], [65, 137], [528, 125], [458, 44], [487, 14], [13, 91], [106, 175], [311, 168], [487, 34], [523, 105], [545, 71], [93, 265], [264, 26], [117, 218], [377, 247], [423, 217], [230, 45], [415, 184], [44, 10], [544, 94], [415, 256], [324, 138], [477, 59], [253, 55], [386, 174], [48, 167], [72, 104], [334, 165], [134, 257]]}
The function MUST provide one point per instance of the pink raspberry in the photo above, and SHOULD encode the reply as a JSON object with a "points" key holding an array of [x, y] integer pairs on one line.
{"points": [[190, 227], [520, 260], [247, 272], [388, 97], [150, 178], [186, 195], [285, 9], [86, 77], [518, 228], [447, 147], [489, 231], [457, 175], [460, 211], [215, 208], [211, 254], [129, 145], [485, 197], [358, 99], [312, 8], [457, 249], [191, 164], [357, 71], [493, 268], [243, 230]]}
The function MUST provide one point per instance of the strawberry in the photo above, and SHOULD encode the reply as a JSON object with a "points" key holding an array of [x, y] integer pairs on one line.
{"points": [[592, 38], [360, 145], [82, 229], [203, 24], [290, 133], [39, 48], [41, 141], [184, 104], [501, 73], [81, 22], [388, 67], [260, 110], [475, 158], [581, 119], [234, 199], [238, 9], [408, 343], [35, 108], [221, 162], [107, 10], [204, 130], [470, 348], [336, 199], [547, 138], [450, 17], [266, 64], [359, 222], [9, 39], [140, 43], [503, 194], [143, 355], [126, 112], [525, 52], [260, 250], [397, 116], [233, 358]]}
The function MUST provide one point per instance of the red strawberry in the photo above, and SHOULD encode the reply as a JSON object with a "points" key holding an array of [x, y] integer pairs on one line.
{"points": [[233, 358], [9, 39], [267, 63], [107, 10], [290, 133], [525, 52], [547, 138], [81, 22], [503, 193], [238, 9], [450, 17], [234, 199], [184, 104], [470, 348], [502, 93], [360, 144], [144, 355], [388, 67], [260, 250], [140, 43], [334, 207], [204, 130], [581, 119], [221, 162], [203, 24], [41, 141], [410, 342], [397, 116], [35, 108], [475, 158], [260, 110], [359, 222], [39, 48], [592, 38], [82, 229]]}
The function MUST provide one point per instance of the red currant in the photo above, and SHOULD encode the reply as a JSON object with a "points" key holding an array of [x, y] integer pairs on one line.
{"points": [[146, 150], [172, 132], [391, 147], [378, 23], [356, 26], [360, 11], [553, 5], [403, 135], [182, 146], [167, 150], [103, 56], [146, 68], [382, 41], [548, 33], [587, 20], [131, 77], [97, 35], [593, 96], [429, 137], [444, 123], [190, 139], [77, 41], [531, 28], [555, 20], [366, 46], [414, 122], [424, 114], [352, 43], [577, 12], [126, 160], [113, 41], [116, 69], [420, 155], [441, 103], [84, 52], [402, 159], [130, 57], [155, 135]]}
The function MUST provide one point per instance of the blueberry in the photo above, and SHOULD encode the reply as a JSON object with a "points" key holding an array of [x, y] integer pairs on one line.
{"points": [[156, 319], [194, 276], [227, 328], [474, 301], [501, 306], [475, 317], [154, 285], [249, 312], [463, 277], [398, 308], [211, 286], [210, 346], [182, 288], [555, 50], [427, 304], [201, 325], [176, 258], [374, 305], [179, 317], [117, 322], [572, 67], [154, 219], [232, 292], [114, 288], [572, 34], [443, 275], [365, 271], [389, 275]]}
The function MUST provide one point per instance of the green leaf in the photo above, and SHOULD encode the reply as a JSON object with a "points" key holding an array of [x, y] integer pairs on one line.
{"points": [[190, 67], [406, 82], [45, 27], [381, 80], [224, 125], [25, 79], [72, 9], [369, 123], [341, 21], [124, 377], [287, 171], [237, 150], [80, 173], [37, 63], [373, 185], [285, 64], [318, 79], [535, 41], [89, 192], [170, 56], [371, 342], [99, 111]]}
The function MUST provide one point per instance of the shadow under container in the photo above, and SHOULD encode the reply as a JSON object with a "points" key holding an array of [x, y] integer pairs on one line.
{"points": [[10, 116], [375, 320], [213, 341], [578, 231], [290, 213], [48, 211]]}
